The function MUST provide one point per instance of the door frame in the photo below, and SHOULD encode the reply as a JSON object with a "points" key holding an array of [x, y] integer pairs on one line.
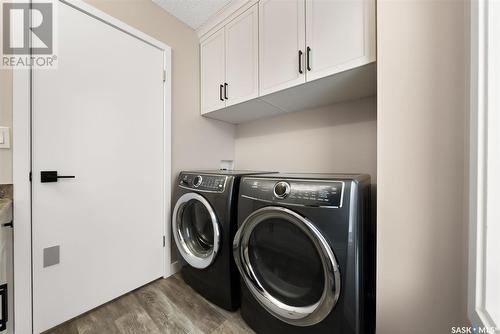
{"points": [[23, 264], [481, 86]]}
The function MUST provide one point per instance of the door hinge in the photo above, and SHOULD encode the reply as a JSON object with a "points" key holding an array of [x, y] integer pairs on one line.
{"points": [[30, 178], [164, 241], [164, 75]]}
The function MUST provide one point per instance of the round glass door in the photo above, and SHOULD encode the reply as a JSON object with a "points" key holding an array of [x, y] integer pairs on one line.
{"points": [[287, 265], [196, 230]]}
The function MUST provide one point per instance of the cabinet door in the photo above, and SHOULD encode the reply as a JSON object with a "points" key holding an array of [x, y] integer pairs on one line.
{"points": [[281, 40], [340, 35], [242, 57], [212, 72]]}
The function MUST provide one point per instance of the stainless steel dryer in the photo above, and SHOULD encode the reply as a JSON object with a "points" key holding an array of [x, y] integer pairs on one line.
{"points": [[305, 249], [203, 226]]}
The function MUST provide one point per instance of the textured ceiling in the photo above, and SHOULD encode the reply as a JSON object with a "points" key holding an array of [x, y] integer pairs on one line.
{"points": [[192, 12]]}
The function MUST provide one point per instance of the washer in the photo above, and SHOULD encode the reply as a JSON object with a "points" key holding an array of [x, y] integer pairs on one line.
{"points": [[305, 249], [203, 227]]}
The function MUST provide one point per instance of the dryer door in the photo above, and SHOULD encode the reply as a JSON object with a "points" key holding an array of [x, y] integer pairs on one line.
{"points": [[287, 265], [196, 230]]}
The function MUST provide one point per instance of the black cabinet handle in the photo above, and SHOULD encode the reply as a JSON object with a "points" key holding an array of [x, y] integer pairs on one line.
{"points": [[5, 312], [225, 90], [51, 176], [308, 56], [300, 62], [220, 92]]}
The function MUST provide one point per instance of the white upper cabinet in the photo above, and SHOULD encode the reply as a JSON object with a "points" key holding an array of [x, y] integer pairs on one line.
{"points": [[242, 57], [281, 44], [291, 55], [212, 72], [340, 35]]}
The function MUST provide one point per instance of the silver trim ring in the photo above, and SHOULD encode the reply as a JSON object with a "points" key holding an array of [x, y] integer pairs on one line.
{"points": [[294, 315], [197, 260]]}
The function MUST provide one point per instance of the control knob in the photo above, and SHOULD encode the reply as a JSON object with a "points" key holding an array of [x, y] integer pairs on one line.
{"points": [[197, 181], [281, 189]]}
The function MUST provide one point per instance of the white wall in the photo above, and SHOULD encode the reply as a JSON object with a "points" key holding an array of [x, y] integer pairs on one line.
{"points": [[337, 138], [422, 96], [6, 120]]}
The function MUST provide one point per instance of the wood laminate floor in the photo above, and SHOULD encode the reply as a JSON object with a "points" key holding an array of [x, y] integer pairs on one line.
{"points": [[163, 306]]}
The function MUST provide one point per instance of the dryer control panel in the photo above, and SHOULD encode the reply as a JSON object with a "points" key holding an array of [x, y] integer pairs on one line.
{"points": [[203, 182], [294, 191]]}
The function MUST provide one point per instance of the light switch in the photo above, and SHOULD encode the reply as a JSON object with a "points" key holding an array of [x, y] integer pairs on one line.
{"points": [[4, 137]]}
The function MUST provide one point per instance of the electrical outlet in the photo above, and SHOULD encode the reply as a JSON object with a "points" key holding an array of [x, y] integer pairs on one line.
{"points": [[226, 165]]}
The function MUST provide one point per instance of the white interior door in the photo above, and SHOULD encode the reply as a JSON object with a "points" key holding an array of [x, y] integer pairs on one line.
{"points": [[281, 44], [340, 35], [242, 57], [99, 117], [213, 72]]}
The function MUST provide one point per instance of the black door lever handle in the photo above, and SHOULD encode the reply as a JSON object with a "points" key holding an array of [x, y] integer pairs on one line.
{"points": [[51, 176]]}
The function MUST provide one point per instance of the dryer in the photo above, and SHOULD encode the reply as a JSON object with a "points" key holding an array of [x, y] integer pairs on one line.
{"points": [[203, 227], [305, 249]]}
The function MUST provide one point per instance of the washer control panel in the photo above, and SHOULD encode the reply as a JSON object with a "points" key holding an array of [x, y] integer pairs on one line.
{"points": [[203, 182], [295, 191]]}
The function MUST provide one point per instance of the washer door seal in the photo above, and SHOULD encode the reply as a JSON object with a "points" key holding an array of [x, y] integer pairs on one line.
{"points": [[194, 247], [295, 315]]}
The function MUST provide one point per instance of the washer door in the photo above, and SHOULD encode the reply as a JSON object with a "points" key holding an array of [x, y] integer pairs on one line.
{"points": [[196, 230], [287, 265]]}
